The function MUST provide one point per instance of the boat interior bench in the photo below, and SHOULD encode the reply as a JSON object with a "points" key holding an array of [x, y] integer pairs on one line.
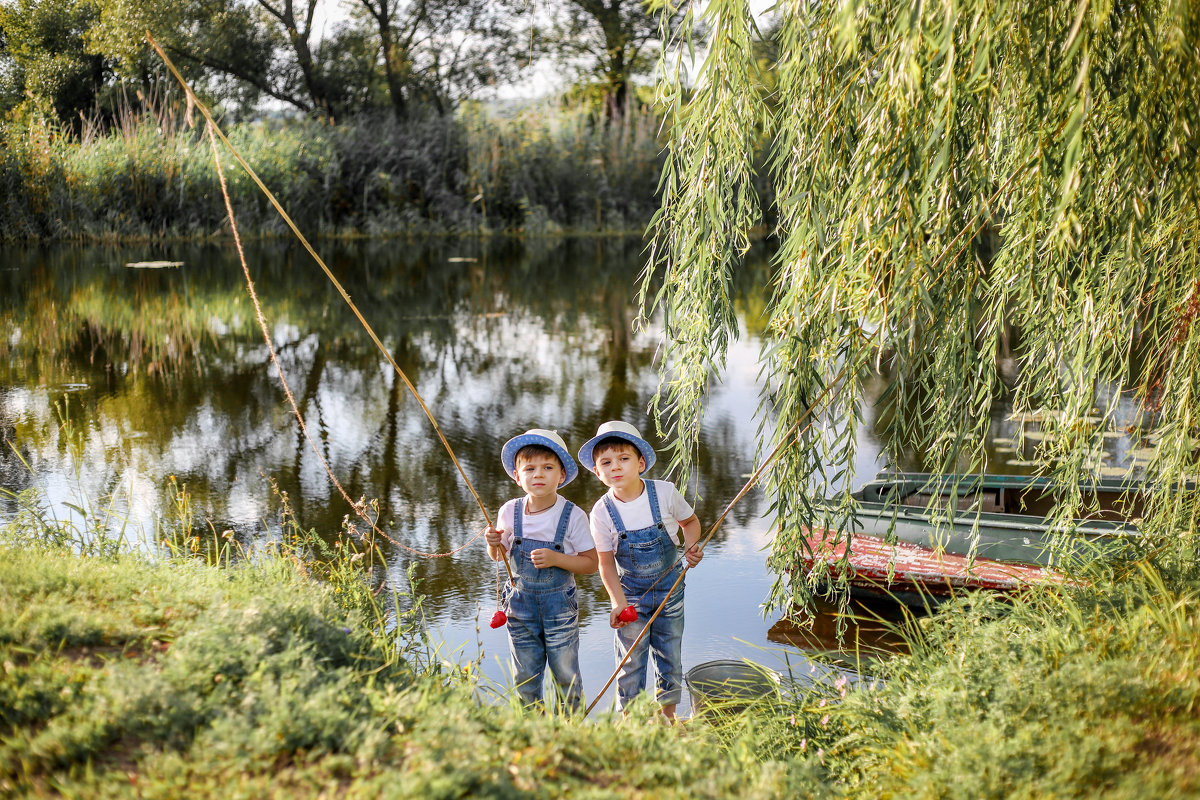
{"points": [[1110, 504]]}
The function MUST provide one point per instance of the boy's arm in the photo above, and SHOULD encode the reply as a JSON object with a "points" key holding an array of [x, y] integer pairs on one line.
{"points": [[581, 563], [691, 539], [612, 582]]}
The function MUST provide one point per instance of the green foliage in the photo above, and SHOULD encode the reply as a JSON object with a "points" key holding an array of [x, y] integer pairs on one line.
{"points": [[1052, 697], [958, 188], [612, 43], [224, 47], [703, 228], [545, 171], [1082, 695], [151, 176], [51, 68], [127, 677], [380, 56]]}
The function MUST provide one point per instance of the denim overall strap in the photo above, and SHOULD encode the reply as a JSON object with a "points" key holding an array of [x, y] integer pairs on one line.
{"points": [[651, 495], [543, 617], [529, 577], [563, 520], [614, 515], [646, 557]]}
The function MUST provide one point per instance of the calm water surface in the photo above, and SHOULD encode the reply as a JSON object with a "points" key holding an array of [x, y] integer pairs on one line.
{"points": [[114, 379]]}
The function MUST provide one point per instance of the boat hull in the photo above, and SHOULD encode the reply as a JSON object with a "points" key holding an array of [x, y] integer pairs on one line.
{"points": [[997, 517], [914, 574]]}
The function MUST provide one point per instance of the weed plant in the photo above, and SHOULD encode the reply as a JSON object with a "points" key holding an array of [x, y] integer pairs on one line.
{"points": [[217, 670], [151, 175], [1088, 693], [213, 667]]}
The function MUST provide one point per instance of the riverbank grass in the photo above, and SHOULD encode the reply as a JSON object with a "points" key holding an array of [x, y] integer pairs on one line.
{"points": [[548, 170], [127, 676], [1089, 694]]}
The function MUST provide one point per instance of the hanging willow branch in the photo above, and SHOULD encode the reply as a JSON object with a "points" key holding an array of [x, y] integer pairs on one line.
{"points": [[969, 195], [708, 210]]}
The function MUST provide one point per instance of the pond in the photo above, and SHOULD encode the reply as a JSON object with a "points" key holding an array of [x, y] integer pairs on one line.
{"points": [[162, 376]]}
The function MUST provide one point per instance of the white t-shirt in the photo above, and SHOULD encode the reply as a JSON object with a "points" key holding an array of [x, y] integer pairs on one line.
{"points": [[543, 526], [636, 514]]}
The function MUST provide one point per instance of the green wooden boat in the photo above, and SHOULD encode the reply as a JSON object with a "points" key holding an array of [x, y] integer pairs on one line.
{"points": [[998, 517]]}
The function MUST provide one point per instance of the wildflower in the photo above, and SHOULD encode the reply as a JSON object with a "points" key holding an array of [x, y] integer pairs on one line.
{"points": [[804, 745], [824, 720]]}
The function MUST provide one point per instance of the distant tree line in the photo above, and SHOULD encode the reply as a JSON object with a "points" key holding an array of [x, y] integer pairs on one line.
{"points": [[71, 60]]}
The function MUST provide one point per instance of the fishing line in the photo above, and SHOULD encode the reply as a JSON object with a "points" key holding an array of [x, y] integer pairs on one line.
{"points": [[265, 328], [214, 131]]}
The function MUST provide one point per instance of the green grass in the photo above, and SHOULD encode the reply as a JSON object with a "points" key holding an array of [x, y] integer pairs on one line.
{"points": [[127, 676], [1084, 695], [208, 673]]}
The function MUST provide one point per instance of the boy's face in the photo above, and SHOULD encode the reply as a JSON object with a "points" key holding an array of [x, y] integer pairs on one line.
{"points": [[620, 467], [539, 475]]}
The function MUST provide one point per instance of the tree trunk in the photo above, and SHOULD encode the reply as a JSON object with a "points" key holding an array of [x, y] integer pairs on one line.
{"points": [[298, 36], [395, 54]]}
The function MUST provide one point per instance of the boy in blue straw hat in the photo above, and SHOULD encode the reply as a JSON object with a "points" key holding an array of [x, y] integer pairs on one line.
{"points": [[547, 539], [636, 527]]}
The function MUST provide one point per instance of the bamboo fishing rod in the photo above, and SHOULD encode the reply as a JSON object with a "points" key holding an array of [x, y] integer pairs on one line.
{"points": [[194, 101]]}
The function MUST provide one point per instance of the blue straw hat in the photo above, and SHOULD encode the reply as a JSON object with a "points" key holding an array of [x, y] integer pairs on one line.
{"points": [[618, 430], [550, 439]]}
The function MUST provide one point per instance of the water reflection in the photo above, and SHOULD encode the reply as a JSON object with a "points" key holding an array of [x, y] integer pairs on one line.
{"points": [[868, 627], [163, 372]]}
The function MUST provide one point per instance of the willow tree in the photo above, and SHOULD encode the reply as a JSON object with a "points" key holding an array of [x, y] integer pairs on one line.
{"points": [[954, 182]]}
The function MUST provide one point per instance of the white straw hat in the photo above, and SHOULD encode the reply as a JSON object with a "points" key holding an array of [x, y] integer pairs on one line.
{"points": [[618, 430], [545, 438]]}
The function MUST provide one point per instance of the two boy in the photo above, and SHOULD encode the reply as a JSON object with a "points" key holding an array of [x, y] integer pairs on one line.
{"points": [[633, 530]]}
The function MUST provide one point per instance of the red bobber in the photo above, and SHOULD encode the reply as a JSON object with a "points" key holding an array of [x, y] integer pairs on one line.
{"points": [[499, 619], [628, 614]]}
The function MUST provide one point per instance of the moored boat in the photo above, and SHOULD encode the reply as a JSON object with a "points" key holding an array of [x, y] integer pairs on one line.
{"points": [[918, 536], [917, 575]]}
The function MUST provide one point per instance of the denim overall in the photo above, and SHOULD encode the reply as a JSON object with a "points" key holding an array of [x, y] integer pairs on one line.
{"points": [[647, 564], [543, 617]]}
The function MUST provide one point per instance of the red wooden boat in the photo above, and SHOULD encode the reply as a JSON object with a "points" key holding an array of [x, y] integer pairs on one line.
{"points": [[914, 574]]}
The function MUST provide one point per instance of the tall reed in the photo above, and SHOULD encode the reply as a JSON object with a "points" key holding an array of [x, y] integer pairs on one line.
{"points": [[149, 175]]}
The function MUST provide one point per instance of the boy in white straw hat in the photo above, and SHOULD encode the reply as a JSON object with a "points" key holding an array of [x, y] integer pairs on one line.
{"points": [[547, 539], [636, 526]]}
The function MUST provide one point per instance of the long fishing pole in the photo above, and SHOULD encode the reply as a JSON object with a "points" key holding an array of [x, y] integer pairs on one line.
{"points": [[194, 101]]}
